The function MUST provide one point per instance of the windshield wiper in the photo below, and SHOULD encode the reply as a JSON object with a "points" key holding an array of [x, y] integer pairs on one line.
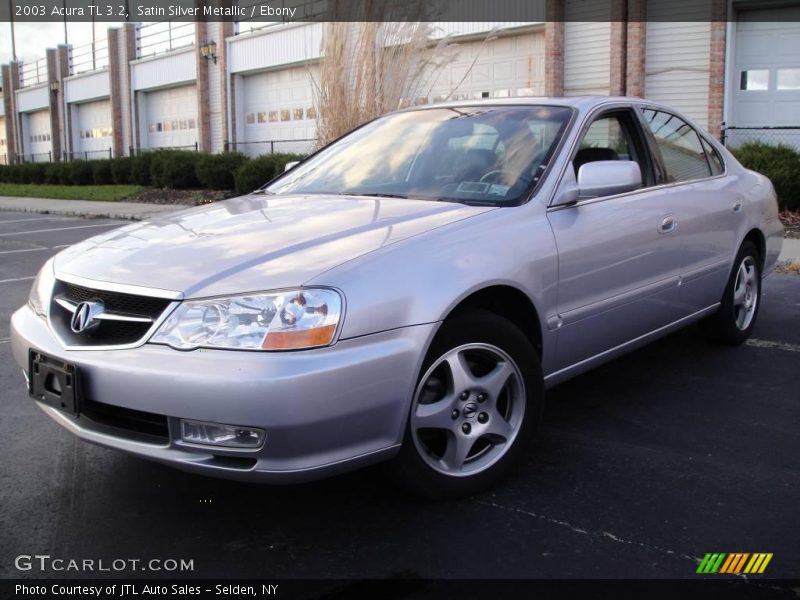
{"points": [[374, 195]]}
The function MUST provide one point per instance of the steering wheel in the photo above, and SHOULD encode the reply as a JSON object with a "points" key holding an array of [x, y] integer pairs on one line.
{"points": [[486, 176]]}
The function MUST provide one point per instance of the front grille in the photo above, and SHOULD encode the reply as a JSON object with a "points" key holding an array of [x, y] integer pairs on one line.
{"points": [[127, 419], [108, 332]]}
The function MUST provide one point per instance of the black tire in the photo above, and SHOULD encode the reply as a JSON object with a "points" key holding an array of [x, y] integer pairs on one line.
{"points": [[724, 326], [475, 327]]}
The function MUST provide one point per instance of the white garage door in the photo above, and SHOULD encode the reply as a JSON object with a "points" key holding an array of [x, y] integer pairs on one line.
{"points": [[279, 112], [92, 133], [3, 143], [506, 67], [172, 117], [36, 139], [766, 77]]}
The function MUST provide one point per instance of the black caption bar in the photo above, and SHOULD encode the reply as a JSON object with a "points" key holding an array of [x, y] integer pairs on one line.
{"points": [[391, 589], [521, 11]]}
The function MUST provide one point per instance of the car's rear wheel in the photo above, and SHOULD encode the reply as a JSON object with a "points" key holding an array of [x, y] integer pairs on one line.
{"points": [[477, 404], [736, 317]]}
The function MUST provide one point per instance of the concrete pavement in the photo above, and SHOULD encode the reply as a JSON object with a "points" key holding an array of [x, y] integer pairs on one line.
{"points": [[790, 251], [131, 211]]}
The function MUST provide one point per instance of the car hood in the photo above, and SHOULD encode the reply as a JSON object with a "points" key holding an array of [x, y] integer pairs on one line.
{"points": [[256, 242]]}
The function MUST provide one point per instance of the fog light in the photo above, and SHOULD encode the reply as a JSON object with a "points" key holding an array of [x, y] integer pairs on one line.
{"points": [[217, 434]]}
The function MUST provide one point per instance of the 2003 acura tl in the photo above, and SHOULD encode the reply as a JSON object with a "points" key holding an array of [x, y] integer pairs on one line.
{"points": [[406, 293]]}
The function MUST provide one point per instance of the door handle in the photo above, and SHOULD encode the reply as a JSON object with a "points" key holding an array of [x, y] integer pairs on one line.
{"points": [[737, 207], [667, 224]]}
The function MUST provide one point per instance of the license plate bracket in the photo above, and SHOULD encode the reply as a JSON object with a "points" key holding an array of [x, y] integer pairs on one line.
{"points": [[53, 382]]}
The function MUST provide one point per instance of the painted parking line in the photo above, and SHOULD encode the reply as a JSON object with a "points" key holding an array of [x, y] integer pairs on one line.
{"points": [[756, 343], [35, 219], [24, 250], [60, 229], [17, 279]]}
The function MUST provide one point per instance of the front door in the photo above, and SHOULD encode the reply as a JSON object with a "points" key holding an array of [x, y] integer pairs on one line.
{"points": [[619, 260]]}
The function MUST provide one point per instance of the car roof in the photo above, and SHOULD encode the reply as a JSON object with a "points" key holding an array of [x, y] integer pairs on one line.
{"points": [[581, 103]]}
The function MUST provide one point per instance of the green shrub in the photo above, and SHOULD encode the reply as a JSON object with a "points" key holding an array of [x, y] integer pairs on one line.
{"points": [[216, 171], [780, 163], [140, 168], [80, 172], [29, 173], [121, 170], [101, 172], [5, 173], [282, 158], [254, 173], [174, 169], [54, 172]]}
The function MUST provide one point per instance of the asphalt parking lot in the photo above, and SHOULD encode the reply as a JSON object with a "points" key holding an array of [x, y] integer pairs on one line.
{"points": [[641, 467]]}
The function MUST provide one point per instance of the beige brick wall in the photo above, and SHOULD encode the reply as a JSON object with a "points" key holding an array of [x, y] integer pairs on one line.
{"points": [[716, 71], [554, 48]]}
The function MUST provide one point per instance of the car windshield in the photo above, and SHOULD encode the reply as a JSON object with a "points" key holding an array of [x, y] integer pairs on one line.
{"points": [[473, 154]]}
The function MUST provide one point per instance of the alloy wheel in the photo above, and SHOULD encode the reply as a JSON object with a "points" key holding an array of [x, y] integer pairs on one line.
{"points": [[468, 409]]}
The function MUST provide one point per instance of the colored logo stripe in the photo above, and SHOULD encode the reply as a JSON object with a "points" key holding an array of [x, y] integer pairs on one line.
{"points": [[758, 563], [734, 563], [711, 563]]}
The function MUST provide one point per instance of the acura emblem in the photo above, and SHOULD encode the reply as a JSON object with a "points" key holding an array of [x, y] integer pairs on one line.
{"points": [[84, 318]]}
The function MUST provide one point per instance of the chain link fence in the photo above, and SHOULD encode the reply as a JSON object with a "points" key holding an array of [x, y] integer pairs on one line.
{"points": [[87, 155], [188, 148], [35, 157], [257, 148], [734, 137]]}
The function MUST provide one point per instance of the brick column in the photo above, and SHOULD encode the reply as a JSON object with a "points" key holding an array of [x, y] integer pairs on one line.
{"points": [[224, 31], [116, 96], [54, 96], [65, 125], [203, 117], [716, 70], [619, 37], [10, 86], [636, 48], [554, 48], [129, 119]]}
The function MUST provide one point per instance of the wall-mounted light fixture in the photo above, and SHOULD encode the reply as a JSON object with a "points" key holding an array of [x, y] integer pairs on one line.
{"points": [[209, 50], [54, 87]]}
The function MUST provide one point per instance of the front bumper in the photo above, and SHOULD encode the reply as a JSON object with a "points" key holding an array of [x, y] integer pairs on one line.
{"points": [[325, 411]]}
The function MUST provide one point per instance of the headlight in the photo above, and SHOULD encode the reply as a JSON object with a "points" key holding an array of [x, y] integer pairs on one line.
{"points": [[42, 289], [289, 320]]}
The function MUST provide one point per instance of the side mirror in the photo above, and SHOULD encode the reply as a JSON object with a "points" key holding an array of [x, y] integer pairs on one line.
{"points": [[608, 177], [291, 165]]}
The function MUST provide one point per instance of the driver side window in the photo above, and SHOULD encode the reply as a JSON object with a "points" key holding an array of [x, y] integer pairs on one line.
{"points": [[606, 139]]}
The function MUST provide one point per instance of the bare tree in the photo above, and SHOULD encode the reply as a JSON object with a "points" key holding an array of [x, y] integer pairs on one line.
{"points": [[369, 68]]}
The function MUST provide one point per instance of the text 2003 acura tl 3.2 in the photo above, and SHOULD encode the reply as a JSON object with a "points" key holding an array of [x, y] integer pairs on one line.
{"points": [[406, 293]]}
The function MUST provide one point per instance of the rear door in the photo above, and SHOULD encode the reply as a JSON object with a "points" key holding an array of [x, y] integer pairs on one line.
{"points": [[707, 205], [619, 259]]}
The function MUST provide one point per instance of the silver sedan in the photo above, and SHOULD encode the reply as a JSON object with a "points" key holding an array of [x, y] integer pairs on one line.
{"points": [[406, 293]]}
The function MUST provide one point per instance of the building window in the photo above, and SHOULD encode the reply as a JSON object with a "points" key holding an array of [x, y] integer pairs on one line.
{"points": [[273, 116], [789, 79], [192, 124], [250, 118], [286, 115], [298, 114], [262, 117], [311, 112], [754, 80]]}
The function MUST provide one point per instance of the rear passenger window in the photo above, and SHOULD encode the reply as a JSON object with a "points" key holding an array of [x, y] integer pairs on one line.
{"points": [[680, 146], [714, 159]]}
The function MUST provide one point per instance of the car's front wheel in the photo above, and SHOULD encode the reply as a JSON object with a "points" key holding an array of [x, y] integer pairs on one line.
{"points": [[477, 403], [736, 316]]}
